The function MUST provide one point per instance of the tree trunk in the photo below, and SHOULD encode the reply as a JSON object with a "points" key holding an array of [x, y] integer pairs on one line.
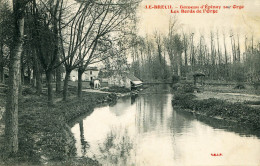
{"points": [[11, 113], [38, 82], [1, 64], [80, 72], [179, 64], [37, 74], [21, 80], [22, 74], [29, 74], [49, 86], [58, 79], [65, 86], [2, 78], [82, 139]]}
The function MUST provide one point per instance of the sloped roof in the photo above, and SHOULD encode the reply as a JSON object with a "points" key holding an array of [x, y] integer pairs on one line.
{"points": [[198, 74], [132, 77], [92, 69]]}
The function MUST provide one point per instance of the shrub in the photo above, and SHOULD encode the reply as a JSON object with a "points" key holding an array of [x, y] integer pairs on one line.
{"points": [[175, 79], [184, 87], [240, 86], [188, 88], [28, 91], [117, 89], [176, 86], [215, 107]]}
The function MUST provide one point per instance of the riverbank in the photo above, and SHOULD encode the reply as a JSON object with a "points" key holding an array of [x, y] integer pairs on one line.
{"points": [[217, 108], [44, 136]]}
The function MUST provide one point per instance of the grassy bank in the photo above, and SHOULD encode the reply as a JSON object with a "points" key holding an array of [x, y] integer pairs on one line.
{"points": [[217, 108], [44, 136], [116, 89]]}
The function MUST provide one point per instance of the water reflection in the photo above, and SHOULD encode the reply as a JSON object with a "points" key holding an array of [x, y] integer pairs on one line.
{"points": [[117, 148], [84, 144], [242, 130], [147, 131]]}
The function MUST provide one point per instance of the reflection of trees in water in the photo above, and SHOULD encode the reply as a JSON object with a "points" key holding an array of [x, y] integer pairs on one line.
{"points": [[133, 97], [151, 108], [155, 113], [117, 148], [84, 144], [240, 129], [150, 112], [177, 124]]}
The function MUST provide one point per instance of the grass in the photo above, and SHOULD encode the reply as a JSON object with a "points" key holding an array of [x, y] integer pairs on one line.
{"points": [[117, 89], [44, 135], [212, 107], [230, 88]]}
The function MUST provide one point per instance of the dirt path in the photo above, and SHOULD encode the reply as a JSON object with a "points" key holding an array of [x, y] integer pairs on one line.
{"points": [[94, 90]]}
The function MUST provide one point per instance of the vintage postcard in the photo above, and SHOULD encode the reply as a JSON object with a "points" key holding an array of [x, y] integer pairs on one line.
{"points": [[130, 82]]}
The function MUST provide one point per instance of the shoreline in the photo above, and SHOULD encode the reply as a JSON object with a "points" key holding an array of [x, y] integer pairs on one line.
{"points": [[216, 108], [44, 132]]}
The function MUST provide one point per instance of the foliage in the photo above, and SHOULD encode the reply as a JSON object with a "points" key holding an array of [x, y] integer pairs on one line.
{"points": [[239, 74], [117, 89], [175, 78], [149, 62], [28, 91], [214, 107], [240, 86], [43, 130], [184, 87]]}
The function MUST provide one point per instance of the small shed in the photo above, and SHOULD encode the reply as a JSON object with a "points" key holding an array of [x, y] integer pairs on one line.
{"points": [[198, 76], [126, 80], [136, 83]]}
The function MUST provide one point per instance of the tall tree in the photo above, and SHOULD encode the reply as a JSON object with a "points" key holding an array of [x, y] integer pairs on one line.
{"points": [[46, 34], [114, 16], [11, 118], [6, 26]]}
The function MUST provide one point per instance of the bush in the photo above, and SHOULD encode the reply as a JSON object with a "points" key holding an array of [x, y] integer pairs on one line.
{"points": [[183, 96], [175, 79], [215, 107], [117, 89], [240, 86], [188, 88], [176, 86], [28, 91], [184, 87]]}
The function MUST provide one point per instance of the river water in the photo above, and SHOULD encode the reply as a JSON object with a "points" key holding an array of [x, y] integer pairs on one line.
{"points": [[146, 130]]}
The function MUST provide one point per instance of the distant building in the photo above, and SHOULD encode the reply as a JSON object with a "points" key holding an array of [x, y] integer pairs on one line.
{"points": [[124, 79], [90, 74]]}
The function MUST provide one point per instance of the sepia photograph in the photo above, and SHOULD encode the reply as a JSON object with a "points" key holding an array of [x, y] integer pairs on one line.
{"points": [[130, 82]]}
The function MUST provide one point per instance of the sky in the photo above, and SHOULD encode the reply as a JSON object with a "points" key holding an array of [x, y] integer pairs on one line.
{"points": [[245, 22], [247, 18]]}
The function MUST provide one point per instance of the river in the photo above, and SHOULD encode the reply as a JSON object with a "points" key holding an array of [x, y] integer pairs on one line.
{"points": [[147, 131]]}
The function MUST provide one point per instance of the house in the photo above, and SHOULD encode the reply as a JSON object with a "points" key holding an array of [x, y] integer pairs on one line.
{"points": [[124, 79], [90, 74]]}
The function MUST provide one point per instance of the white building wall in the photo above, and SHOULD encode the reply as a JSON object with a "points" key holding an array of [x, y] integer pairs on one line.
{"points": [[91, 73], [86, 76]]}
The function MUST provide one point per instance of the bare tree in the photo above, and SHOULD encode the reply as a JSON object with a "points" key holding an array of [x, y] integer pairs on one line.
{"points": [[6, 26], [11, 118], [114, 15]]}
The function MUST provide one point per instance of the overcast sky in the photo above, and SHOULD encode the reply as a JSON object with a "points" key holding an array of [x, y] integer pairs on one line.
{"points": [[245, 21]]}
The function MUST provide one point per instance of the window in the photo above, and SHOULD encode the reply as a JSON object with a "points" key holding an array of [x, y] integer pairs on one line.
{"points": [[90, 72]]}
